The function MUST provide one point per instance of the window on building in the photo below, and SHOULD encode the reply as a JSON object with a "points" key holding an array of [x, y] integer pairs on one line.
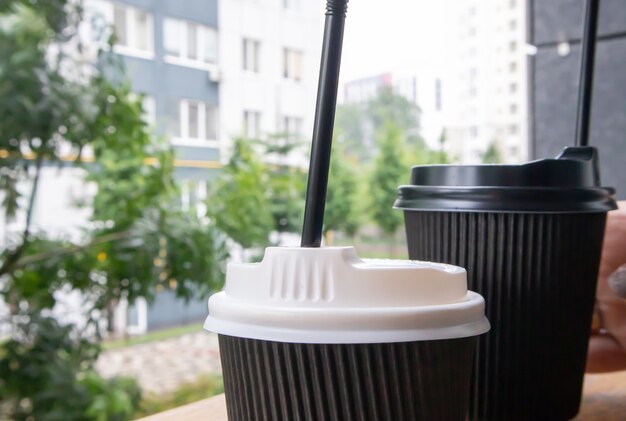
{"points": [[512, 4], [143, 31], [513, 88], [474, 131], [512, 46], [512, 67], [172, 118], [171, 37], [438, 95], [251, 55], [473, 92], [513, 150], [512, 25], [120, 24], [133, 29], [513, 108], [252, 124], [208, 44], [189, 41], [292, 64], [149, 110], [192, 41], [291, 127], [191, 120], [513, 129], [210, 123]]}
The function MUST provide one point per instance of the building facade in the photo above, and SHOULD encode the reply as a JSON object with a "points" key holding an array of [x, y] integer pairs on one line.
{"points": [[211, 71], [488, 80], [269, 59], [171, 53]]}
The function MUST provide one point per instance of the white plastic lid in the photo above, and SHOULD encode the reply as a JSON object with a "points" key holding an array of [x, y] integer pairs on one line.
{"points": [[329, 295]]}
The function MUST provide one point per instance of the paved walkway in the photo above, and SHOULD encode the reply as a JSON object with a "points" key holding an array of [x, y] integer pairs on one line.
{"points": [[163, 366]]}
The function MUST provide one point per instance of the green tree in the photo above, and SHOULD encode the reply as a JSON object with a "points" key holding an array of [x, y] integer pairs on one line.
{"points": [[287, 183], [389, 171], [356, 125], [492, 155], [390, 107], [239, 201], [422, 155], [341, 212], [54, 101], [351, 130]]}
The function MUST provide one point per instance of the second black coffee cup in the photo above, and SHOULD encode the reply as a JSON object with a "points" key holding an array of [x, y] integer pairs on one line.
{"points": [[530, 237]]}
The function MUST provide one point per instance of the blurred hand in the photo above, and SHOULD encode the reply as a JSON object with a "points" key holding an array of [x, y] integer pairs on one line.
{"points": [[607, 346]]}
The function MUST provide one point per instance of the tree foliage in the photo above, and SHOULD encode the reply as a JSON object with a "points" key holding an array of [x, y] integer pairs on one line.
{"points": [[57, 105], [286, 183], [389, 171], [422, 155], [239, 203], [390, 107], [341, 213], [47, 375], [357, 125], [492, 155]]}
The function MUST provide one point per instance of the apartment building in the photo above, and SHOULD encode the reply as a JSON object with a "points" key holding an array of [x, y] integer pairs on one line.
{"points": [[269, 59], [488, 80], [171, 52], [209, 72]]}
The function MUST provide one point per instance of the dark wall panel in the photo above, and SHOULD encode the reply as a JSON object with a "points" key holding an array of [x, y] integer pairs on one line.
{"points": [[555, 83], [561, 20]]}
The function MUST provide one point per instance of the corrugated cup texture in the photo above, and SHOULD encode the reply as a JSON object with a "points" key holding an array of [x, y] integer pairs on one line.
{"points": [[537, 273], [426, 380]]}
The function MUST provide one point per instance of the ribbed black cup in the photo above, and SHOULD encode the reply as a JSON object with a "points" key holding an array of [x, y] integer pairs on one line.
{"points": [[530, 237], [427, 380], [537, 273]]}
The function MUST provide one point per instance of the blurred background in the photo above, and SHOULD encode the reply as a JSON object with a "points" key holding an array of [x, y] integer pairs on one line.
{"points": [[146, 143]]}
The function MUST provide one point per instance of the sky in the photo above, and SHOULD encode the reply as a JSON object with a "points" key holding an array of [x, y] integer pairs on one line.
{"points": [[393, 35]]}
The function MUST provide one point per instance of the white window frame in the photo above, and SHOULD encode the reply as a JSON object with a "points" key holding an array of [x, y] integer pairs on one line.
{"points": [[182, 59], [183, 138], [255, 117], [131, 33], [251, 51], [149, 108], [289, 58], [287, 122]]}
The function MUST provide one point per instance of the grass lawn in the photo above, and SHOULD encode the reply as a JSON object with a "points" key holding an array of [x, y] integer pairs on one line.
{"points": [[204, 387], [157, 335]]}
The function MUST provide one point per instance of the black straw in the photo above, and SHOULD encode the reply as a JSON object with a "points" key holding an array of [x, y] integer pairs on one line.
{"points": [[324, 122], [585, 88]]}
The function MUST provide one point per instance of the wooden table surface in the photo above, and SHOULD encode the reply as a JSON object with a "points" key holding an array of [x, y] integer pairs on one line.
{"points": [[604, 400]]}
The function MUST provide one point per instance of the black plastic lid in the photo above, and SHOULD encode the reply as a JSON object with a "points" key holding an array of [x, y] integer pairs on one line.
{"points": [[569, 183]]}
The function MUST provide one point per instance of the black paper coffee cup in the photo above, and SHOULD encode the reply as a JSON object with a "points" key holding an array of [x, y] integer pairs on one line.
{"points": [[421, 380], [530, 237], [319, 334]]}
